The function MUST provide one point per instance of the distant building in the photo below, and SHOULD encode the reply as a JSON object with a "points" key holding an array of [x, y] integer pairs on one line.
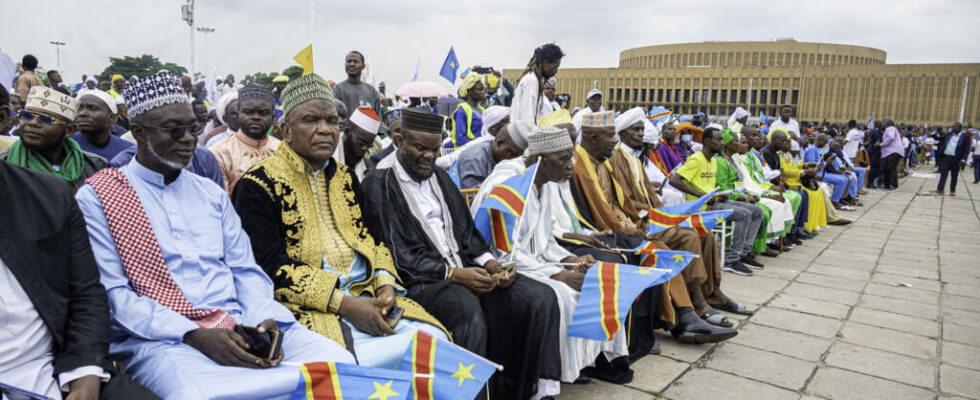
{"points": [[821, 81]]}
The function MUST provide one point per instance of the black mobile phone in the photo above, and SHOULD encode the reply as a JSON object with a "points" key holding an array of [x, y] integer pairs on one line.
{"points": [[393, 316], [266, 345], [483, 70], [504, 269]]}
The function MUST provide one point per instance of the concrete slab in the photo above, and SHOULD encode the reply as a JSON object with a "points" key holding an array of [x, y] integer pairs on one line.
{"points": [[772, 368], [889, 340], [700, 384], [797, 322], [838, 384], [891, 366]]}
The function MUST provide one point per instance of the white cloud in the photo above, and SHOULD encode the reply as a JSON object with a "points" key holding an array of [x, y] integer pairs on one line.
{"points": [[263, 35]]}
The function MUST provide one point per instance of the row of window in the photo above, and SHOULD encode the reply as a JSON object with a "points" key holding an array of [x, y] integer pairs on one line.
{"points": [[712, 96], [743, 59], [716, 112]]}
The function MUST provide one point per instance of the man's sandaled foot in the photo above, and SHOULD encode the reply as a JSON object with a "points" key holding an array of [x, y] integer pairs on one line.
{"points": [[716, 318], [734, 308]]}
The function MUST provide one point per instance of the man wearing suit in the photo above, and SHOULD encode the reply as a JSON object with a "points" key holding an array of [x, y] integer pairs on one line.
{"points": [[54, 317], [951, 157]]}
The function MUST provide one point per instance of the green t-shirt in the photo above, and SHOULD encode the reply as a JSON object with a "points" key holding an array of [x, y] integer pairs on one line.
{"points": [[699, 173], [726, 177]]}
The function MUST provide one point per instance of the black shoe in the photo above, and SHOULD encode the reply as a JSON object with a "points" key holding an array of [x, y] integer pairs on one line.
{"points": [[793, 240], [695, 330], [736, 267], [751, 263]]}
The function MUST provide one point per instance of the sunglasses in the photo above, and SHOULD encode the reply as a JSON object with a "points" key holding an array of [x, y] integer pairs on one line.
{"points": [[175, 131], [45, 120]]}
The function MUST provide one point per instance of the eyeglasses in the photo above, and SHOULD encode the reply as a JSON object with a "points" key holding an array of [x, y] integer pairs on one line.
{"points": [[175, 131], [45, 120]]}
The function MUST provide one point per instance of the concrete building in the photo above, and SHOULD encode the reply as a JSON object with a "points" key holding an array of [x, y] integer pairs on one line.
{"points": [[821, 81]]}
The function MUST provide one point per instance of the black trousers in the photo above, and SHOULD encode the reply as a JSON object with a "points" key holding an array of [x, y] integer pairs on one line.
{"points": [[889, 176], [874, 170], [976, 168], [948, 166], [121, 387]]}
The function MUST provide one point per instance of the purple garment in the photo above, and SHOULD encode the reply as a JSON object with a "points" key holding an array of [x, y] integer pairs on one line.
{"points": [[115, 145], [203, 164], [672, 155], [891, 142]]}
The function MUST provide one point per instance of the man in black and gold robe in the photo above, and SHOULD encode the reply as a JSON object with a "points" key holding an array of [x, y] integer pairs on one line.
{"points": [[448, 267], [302, 213]]}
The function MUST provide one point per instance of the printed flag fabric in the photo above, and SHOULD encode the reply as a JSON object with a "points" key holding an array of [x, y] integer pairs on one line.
{"points": [[450, 66], [443, 370], [704, 222], [336, 381], [690, 207], [499, 212], [608, 292], [674, 260]]}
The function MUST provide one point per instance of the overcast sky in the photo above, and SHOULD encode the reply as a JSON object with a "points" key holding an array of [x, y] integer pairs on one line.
{"points": [[253, 35]]}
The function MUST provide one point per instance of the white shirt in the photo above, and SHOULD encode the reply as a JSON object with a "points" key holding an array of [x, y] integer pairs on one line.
{"points": [[431, 209], [976, 147], [852, 143], [527, 102], [26, 361], [791, 126]]}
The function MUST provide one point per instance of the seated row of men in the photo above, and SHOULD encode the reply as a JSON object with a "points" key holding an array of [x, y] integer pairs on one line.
{"points": [[305, 246]]}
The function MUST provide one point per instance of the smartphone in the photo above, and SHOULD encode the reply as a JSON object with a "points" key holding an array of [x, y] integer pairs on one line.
{"points": [[393, 316], [266, 345], [483, 70], [504, 269]]}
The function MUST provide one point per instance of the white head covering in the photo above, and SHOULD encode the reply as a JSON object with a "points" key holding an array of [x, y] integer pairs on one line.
{"points": [[794, 145], [519, 132], [593, 92], [223, 103], [91, 79], [105, 97], [650, 132], [549, 140], [629, 118], [577, 121], [738, 114], [492, 116]]}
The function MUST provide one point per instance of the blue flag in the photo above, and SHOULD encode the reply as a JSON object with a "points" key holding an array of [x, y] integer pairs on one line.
{"points": [[704, 222], [871, 121], [498, 213], [454, 174], [608, 293], [690, 207], [450, 66], [444, 370], [327, 380], [674, 260]]}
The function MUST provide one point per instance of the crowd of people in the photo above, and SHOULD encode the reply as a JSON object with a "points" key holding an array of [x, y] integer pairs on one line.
{"points": [[152, 224]]}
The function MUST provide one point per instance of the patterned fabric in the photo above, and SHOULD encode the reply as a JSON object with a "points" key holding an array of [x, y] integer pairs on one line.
{"points": [[554, 118], [599, 119], [140, 253], [154, 91], [304, 88], [255, 92], [42, 98], [549, 140]]}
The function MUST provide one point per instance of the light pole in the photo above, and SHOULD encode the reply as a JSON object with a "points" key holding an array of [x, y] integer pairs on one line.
{"points": [[187, 14], [57, 46], [205, 31]]}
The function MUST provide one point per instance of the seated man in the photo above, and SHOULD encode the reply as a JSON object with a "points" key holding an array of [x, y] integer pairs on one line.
{"points": [[55, 335], [360, 132], [311, 240], [202, 163], [601, 193], [477, 161], [778, 207], [829, 168], [179, 271], [446, 265], [855, 174], [95, 119], [238, 152], [776, 156], [538, 255], [46, 122]]}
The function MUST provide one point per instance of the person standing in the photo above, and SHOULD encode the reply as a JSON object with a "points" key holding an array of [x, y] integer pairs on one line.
{"points": [[468, 116], [891, 154], [976, 160], [28, 78], [529, 94], [852, 142], [951, 157], [786, 121], [353, 91]]}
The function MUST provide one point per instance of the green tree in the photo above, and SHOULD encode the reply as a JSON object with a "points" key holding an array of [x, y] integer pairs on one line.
{"points": [[141, 66], [293, 72], [265, 79]]}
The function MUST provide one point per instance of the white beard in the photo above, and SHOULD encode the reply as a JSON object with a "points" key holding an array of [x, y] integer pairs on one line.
{"points": [[171, 164]]}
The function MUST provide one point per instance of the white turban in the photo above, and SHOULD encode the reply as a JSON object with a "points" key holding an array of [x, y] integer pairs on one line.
{"points": [[650, 132], [223, 103], [629, 118], [738, 114], [105, 97], [492, 116], [577, 121], [593, 92], [519, 132]]}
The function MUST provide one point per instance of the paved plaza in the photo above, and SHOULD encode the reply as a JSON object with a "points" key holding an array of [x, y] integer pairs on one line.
{"points": [[885, 308]]}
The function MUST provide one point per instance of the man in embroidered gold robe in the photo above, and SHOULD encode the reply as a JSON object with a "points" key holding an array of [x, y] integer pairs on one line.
{"points": [[600, 187], [301, 211]]}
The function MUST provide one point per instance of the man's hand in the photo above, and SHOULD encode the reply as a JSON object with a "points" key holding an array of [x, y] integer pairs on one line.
{"points": [[776, 198], [583, 263], [225, 347], [363, 313], [85, 388], [572, 279], [387, 295], [476, 278], [271, 325], [720, 198]]}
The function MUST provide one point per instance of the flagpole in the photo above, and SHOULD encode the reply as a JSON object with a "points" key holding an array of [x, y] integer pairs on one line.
{"points": [[312, 14]]}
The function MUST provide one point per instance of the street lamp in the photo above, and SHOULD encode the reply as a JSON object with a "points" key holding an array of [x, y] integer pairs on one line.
{"points": [[57, 46], [205, 31]]}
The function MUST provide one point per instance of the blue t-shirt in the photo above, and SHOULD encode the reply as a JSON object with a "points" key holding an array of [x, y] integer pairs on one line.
{"points": [[114, 146]]}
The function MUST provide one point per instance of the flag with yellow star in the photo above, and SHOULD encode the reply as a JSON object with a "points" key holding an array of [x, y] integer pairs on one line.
{"points": [[608, 292], [450, 66], [704, 222], [336, 381], [663, 218], [443, 370], [674, 260]]}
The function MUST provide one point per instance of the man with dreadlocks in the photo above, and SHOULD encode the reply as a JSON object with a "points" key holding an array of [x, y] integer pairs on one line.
{"points": [[528, 97]]}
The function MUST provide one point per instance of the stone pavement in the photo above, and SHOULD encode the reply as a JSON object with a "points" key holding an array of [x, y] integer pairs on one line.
{"points": [[885, 308]]}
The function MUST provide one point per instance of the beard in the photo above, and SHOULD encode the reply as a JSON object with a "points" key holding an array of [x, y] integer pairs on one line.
{"points": [[170, 164], [407, 165]]}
